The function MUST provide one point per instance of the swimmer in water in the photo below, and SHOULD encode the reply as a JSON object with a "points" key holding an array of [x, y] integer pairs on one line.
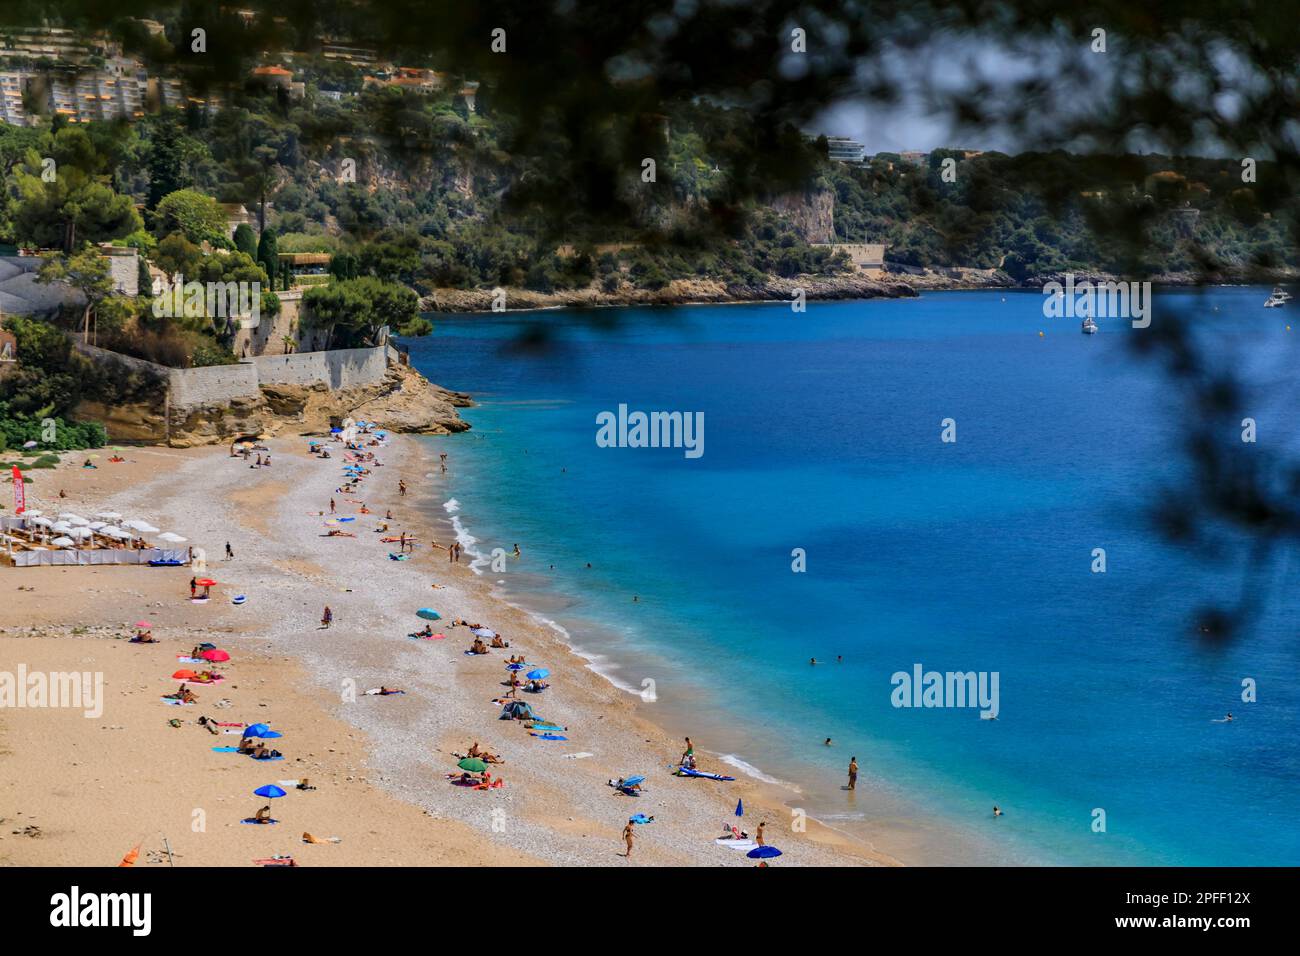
{"points": [[828, 741], [996, 811], [812, 660]]}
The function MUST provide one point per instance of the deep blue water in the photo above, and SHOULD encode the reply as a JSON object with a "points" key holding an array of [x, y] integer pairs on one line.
{"points": [[822, 432]]}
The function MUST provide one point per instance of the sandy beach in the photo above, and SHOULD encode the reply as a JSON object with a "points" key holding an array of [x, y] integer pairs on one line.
{"points": [[80, 790]]}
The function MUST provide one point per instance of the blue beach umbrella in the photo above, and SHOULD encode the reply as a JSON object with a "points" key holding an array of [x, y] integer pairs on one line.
{"points": [[515, 667], [345, 519], [428, 614], [538, 674], [256, 730], [270, 790], [633, 781], [740, 808], [763, 853], [335, 431]]}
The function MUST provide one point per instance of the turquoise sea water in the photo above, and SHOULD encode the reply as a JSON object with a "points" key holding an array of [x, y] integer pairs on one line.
{"points": [[822, 432]]}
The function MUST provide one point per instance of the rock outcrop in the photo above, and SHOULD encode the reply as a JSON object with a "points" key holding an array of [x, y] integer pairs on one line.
{"points": [[404, 401], [677, 292]]}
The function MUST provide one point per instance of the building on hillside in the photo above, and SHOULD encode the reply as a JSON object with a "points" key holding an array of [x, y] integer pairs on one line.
{"points": [[844, 150], [237, 215], [916, 157], [306, 268], [12, 84], [273, 76], [468, 94], [22, 294], [358, 56], [54, 43], [868, 257]]}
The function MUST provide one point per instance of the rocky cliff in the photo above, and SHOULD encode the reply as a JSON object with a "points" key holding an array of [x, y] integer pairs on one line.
{"points": [[404, 401]]}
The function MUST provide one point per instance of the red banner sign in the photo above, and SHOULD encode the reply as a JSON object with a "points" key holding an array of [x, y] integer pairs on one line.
{"points": [[20, 496]]}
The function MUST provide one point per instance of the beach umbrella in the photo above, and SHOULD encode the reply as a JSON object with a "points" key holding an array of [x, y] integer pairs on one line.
{"points": [[143, 527], [184, 675], [98, 525], [63, 542], [205, 582], [515, 667], [69, 516], [428, 614], [131, 856], [483, 632], [633, 781], [81, 533], [217, 656], [207, 646], [109, 515], [29, 444], [740, 808], [61, 526], [472, 765], [335, 431], [43, 522], [32, 513], [255, 730], [763, 853], [78, 521], [538, 674], [144, 625], [270, 790]]}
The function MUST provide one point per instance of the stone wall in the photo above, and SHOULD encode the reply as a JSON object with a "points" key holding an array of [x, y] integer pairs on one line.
{"points": [[340, 368]]}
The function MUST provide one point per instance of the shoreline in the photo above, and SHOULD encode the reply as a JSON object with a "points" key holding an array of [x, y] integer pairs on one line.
{"points": [[555, 810], [679, 293]]}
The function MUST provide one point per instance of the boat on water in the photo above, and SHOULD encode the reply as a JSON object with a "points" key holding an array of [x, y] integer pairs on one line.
{"points": [[1089, 326], [1278, 298]]}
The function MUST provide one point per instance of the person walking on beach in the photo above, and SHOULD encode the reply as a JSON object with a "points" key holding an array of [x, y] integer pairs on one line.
{"points": [[688, 755], [758, 834], [327, 618], [451, 552], [853, 773], [331, 506], [401, 487], [629, 835]]}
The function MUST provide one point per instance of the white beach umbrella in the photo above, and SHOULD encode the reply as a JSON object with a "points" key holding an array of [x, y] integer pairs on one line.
{"points": [[170, 537], [96, 525], [41, 522], [63, 542], [108, 515], [69, 516], [32, 513], [78, 522], [81, 533], [61, 526], [143, 527], [118, 533]]}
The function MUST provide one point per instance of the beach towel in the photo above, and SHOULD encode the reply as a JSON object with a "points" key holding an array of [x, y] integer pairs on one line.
{"points": [[640, 818], [267, 759], [225, 724], [397, 557], [173, 702], [432, 637], [276, 861], [735, 844], [191, 660], [548, 736], [255, 823], [578, 756], [226, 750]]}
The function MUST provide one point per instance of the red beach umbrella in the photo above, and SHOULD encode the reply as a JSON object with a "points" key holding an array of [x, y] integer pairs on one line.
{"points": [[184, 675], [145, 625], [217, 655], [205, 582]]}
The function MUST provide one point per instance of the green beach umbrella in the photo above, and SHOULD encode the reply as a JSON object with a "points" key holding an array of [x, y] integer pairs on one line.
{"points": [[472, 765]]}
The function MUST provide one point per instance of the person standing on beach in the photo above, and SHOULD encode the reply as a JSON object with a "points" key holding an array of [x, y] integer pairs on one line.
{"points": [[688, 755], [229, 552], [327, 618], [401, 487], [853, 773], [194, 586], [629, 835], [331, 506], [451, 552]]}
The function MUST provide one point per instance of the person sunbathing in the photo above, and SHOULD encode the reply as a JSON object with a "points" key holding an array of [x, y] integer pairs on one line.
{"points": [[303, 784], [184, 694], [478, 647], [426, 631], [143, 637], [246, 746], [263, 815], [497, 642], [473, 750], [536, 686]]}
